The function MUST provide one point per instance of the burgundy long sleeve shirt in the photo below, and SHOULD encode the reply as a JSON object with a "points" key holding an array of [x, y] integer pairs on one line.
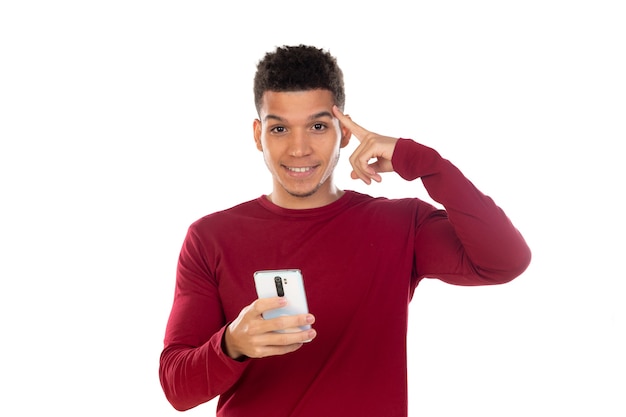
{"points": [[361, 258]]}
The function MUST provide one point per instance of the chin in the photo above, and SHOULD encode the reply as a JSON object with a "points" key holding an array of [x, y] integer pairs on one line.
{"points": [[303, 193]]}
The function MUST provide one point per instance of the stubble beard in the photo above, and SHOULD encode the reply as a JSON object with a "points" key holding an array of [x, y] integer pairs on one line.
{"points": [[304, 195], [316, 189]]}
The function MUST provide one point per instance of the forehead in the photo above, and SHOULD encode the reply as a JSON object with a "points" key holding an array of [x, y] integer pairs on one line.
{"points": [[295, 105]]}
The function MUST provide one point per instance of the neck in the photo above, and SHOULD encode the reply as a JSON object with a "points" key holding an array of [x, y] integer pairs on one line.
{"points": [[318, 199]]}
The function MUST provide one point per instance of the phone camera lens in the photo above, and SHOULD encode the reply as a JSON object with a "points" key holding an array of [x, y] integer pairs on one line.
{"points": [[278, 281]]}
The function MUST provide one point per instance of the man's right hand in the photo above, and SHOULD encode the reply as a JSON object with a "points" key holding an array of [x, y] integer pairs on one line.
{"points": [[252, 336]]}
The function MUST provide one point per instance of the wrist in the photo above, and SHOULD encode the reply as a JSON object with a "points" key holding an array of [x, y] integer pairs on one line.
{"points": [[228, 349]]}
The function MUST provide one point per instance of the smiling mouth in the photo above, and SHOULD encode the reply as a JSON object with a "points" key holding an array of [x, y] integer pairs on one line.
{"points": [[299, 169]]}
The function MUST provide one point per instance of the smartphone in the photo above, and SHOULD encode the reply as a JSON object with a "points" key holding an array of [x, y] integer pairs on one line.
{"points": [[286, 283]]}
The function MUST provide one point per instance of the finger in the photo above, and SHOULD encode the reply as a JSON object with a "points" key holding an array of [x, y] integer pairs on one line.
{"points": [[263, 351], [362, 168], [376, 168], [289, 324], [262, 305], [373, 156], [274, 343], [287, 338], [366, 176], [356, 129]]}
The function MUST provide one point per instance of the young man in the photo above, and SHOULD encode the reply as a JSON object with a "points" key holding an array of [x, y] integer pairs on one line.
{"points": [[361, 258]]}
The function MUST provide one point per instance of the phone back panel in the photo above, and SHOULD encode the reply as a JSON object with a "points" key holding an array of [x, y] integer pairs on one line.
{"points": [[286, 283]]}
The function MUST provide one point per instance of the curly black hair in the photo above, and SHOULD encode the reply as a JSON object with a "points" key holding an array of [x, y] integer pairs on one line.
{"points": [[298, 68]]}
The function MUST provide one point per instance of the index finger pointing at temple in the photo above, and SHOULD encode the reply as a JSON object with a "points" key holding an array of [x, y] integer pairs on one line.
{"points": [[356, 130]]}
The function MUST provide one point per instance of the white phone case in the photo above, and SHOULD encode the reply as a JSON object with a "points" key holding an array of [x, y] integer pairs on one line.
{"points": [[286, 283]]}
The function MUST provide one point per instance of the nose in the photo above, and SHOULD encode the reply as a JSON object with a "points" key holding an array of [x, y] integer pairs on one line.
{"points": [[299, 144]]}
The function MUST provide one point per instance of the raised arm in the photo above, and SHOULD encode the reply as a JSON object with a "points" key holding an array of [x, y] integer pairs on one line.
{"points": [[472, 242]]}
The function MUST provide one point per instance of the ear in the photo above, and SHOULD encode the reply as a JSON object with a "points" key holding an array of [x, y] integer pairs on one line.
{"points": [[346, 134], [256, 127]]}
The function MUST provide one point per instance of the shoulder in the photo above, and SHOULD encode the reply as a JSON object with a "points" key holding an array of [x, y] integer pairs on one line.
{"points": [[227, 217], [385, 203], [390, 209]]}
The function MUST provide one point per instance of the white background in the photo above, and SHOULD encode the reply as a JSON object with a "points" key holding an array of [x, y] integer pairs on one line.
{"points": [[121, 122]]}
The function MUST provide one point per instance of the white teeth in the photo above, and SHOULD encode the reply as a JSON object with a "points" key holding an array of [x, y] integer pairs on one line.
{"points": [[300, 169]]}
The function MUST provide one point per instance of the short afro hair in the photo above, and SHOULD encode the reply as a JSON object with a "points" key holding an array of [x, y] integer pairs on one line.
{"points": [[298, 68]]}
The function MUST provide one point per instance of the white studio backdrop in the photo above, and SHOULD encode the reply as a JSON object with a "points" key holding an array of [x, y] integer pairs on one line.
{"points": [[122, 122]]}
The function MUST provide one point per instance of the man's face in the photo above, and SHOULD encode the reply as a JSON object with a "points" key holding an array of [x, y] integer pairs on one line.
{"points": [[300, 140]]}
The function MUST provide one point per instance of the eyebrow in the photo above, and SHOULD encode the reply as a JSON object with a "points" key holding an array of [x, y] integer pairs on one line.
{"points": [[312, 117]]}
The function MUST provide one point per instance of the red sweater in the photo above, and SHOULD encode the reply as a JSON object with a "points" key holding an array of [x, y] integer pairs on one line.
{"points": [[361, 258]]}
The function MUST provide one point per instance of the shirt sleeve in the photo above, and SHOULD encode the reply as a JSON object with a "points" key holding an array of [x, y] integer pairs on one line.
{"points": [[471, 241], [194, 367]]}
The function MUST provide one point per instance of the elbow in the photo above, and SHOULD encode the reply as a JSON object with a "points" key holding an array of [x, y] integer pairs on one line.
{"points": [[522, 262], [505, 269], [175, 387], [177, 401], [176, 404], [180, 406], [515, 265]]}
